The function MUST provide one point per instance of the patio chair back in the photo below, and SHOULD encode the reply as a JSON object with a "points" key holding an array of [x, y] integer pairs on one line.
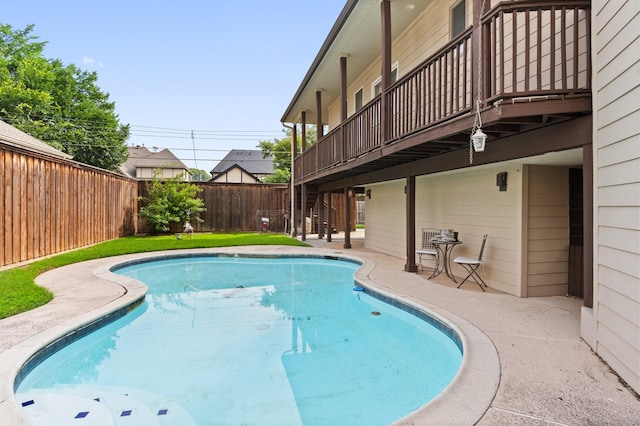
{"points": [[427, 235]]}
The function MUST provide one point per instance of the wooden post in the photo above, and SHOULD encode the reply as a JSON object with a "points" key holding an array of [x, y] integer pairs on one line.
{"points": [[385, 12], [587, 224], [329, 211], [410, 190], [347, 218], [343, 106], [294, 154], [303, 209], [320, 215], [319, 126]]}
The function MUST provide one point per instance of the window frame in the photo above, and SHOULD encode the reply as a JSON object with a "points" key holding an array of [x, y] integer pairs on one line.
{"points": [[454, 15]]}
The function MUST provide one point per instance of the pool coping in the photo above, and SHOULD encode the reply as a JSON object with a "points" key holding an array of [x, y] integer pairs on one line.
{"points": [[464, 401]]}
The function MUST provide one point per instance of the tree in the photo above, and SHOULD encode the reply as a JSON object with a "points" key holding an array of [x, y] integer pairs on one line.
{"points": [[58, 104], [199, 175], [280, 150], [170, 201]]}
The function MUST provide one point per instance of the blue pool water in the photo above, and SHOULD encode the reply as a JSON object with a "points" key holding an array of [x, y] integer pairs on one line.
{"points": [[223, 340]]}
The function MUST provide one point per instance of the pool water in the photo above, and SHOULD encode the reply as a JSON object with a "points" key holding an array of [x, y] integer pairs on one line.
{"points": [[234, 340]]}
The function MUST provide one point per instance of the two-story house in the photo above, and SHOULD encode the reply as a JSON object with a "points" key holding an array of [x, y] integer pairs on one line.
{"points": [[398, 90], [143, 164], [242, 166]]}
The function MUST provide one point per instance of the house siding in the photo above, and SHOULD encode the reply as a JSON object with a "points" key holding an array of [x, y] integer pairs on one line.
{"points": [[612, 327], [470, 203], [429, 32], [235, 175], [548, 231], [386, 219]]}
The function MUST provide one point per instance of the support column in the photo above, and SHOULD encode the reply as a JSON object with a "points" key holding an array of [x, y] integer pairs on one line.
{"points": [[303, 191], [303, 209], [294, 154], [320, 215], [410, 190], [303, 130], [343, 88], [329, 211], [587, 224], [347, 219], [343, 105], [319, 126], [385, 13]]}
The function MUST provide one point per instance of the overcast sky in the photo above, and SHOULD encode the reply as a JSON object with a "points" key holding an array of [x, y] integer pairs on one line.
{"points": [[225, 70]]}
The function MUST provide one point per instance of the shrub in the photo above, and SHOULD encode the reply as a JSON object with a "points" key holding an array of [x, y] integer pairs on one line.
{"points": [[170, 201]]}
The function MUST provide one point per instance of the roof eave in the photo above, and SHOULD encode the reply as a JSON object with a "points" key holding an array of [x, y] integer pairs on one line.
{"points": [[333, 34]]}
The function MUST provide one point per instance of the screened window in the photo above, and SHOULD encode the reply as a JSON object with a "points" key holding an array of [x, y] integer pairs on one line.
{"points": [[458, 19], [377, 86], [358, 100]]}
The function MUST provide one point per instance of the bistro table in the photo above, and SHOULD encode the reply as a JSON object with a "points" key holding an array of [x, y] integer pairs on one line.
{"points": [[445, 246]]}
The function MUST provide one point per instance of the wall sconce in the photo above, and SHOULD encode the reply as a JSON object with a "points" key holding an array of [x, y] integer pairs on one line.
{"points": [[368, 193], [479, 138], [501, 181]]}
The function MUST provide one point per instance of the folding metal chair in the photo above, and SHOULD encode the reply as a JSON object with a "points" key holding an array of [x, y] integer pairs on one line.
{"points": [[471, 265], [429, 249]]}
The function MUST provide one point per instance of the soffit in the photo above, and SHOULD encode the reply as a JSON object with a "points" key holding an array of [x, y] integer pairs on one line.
{"points": [[360, 39]]}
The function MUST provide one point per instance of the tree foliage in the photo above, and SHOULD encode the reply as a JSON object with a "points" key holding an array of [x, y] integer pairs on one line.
{"points": [[199, 175], [170, 201], [56, 103], [280, 150]]}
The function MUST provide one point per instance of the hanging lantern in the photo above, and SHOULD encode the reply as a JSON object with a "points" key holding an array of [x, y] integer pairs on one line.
{"points": [[479, 138]]}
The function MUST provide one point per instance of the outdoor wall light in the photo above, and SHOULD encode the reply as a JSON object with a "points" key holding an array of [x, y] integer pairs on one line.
{"points": [[368, 193], [501, 181], [479, 139]]}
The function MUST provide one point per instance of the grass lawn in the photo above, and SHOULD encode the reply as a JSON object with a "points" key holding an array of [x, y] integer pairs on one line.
{"points": [[19, 292]]}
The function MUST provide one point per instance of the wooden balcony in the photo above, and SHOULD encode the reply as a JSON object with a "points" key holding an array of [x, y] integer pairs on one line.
{"points": [[532, 69]]}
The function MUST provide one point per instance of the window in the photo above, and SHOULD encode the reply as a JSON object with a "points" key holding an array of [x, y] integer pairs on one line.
{"points": [[376, 86], [359, 99], [458, 19]]}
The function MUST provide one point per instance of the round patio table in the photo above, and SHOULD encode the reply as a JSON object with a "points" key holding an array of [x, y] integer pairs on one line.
{"points": [[445, 247]]}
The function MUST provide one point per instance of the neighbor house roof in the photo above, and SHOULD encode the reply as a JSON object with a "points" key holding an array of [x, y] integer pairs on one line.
{"points": [[248, 160], [141, 157], [12, 136]]}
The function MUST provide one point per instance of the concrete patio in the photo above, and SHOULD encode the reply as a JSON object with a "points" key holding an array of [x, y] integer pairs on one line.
{"points": [[548, 374], [544, 373]]}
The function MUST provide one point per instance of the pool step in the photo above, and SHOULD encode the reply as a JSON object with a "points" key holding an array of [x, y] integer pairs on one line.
{"points": [[97, 405]]}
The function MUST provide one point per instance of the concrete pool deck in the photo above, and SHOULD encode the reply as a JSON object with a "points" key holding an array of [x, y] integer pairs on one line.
{"points": [[529, 364]]}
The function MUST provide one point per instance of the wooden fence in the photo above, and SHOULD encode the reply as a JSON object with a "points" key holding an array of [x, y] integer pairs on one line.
{"points": [[50, 205], [234, 207]]}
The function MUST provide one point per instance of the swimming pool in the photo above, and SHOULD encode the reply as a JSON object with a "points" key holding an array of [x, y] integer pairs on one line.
{"points": [[322, 364]]}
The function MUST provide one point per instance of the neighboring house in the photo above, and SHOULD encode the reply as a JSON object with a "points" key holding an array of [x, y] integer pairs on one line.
{"points": [[402, 85], [12, 136], [142, 163], [242, 166]]}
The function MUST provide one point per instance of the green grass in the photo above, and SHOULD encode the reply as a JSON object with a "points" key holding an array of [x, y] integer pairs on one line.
{"points": [[19, 292]]}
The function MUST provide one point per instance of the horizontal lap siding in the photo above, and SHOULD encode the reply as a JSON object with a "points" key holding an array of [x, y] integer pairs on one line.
{"points": [[428, 33], [385, 225], [470, 203], [548, 231], [617, 186], [43, 210]]}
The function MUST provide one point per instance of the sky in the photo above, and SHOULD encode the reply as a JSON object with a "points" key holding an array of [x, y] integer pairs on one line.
{"points": [[214, 75]]}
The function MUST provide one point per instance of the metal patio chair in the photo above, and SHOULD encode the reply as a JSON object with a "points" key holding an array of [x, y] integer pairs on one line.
{"points": [[429, 249], [471, 265]]}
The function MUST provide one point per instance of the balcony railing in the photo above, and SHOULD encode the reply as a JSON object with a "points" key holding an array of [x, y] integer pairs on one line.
{"points": [[528, 49]]}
